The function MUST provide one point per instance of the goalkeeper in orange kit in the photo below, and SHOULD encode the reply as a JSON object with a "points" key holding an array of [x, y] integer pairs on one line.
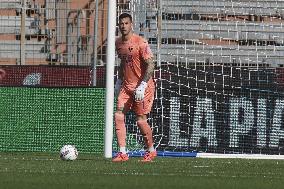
{"points": [[134, 87]]}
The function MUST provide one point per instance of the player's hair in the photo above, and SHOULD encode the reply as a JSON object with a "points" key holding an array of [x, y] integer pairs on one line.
{"points": [[125, 15]]}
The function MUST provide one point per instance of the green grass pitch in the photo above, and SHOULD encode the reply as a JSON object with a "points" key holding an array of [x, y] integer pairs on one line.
{"points": [[46, 170]]}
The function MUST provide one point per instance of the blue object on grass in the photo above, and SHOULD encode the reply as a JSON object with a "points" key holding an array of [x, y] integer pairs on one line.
{"points": [[162, 154]]}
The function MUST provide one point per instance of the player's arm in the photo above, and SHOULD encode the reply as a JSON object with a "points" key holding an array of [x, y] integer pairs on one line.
{"points": [[149, 70], [147, 56], [140, 90]]}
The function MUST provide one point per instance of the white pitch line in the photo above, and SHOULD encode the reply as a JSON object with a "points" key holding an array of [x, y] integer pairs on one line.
{"points": [[241, 156]]}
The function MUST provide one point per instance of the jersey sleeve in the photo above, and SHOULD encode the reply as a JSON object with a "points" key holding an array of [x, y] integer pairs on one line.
{"points": [[145, 50]]}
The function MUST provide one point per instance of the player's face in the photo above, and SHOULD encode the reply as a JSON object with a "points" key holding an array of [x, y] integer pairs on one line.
{"points": [[125, 26]]}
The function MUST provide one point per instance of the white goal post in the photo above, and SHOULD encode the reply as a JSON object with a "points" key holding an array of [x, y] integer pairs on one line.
{"points": [[110, 79]]}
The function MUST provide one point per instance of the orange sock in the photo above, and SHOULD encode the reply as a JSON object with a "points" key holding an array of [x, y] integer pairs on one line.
{"points": [[146, 132], [120, 129]]}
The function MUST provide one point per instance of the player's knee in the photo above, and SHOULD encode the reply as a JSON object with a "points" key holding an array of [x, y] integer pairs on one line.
{"points": [[141, 118], [143, 125], [119, 120], [141, 122], [119, 116]]}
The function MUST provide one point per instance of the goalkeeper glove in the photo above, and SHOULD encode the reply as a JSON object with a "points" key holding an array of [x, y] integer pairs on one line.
{"points": [[117, 87], [140, 90]]}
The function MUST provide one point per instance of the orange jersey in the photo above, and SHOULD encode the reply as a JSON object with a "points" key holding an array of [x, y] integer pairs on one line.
{"points": [[132, 54]]}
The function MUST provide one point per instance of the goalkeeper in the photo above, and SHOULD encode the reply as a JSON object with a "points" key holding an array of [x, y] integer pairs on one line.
{"points": [[134, 87]]}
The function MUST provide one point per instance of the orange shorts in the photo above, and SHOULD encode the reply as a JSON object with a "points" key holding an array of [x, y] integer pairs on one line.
{"points": [[126, 101]]}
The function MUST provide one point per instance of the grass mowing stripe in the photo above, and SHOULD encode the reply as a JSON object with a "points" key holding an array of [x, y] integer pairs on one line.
{"points": [[46, 170]]}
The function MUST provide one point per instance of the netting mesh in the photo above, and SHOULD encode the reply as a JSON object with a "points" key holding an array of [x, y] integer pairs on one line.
{"points": [[219, 76]]}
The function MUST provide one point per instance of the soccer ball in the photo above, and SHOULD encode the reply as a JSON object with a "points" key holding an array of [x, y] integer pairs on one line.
{"points": [[68, 152]]}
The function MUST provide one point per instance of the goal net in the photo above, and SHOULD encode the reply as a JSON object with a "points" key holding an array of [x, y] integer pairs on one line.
{"points": [[219, 75]]}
